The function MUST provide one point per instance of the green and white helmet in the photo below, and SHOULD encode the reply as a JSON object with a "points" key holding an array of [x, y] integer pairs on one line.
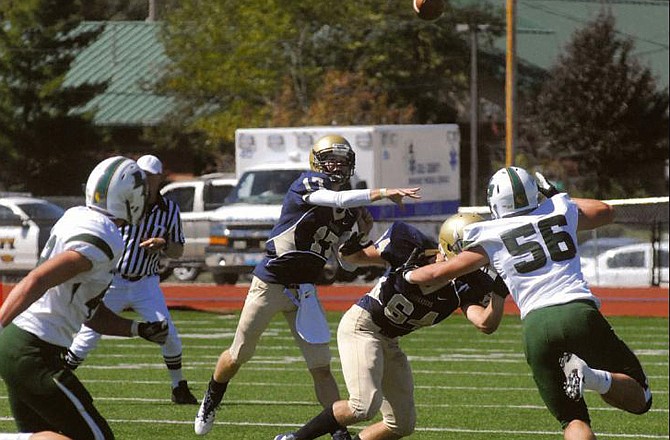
{"points": [[511, 191], [117, 187]]}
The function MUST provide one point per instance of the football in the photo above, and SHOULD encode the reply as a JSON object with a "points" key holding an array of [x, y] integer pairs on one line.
{"points": [[428, 9]]}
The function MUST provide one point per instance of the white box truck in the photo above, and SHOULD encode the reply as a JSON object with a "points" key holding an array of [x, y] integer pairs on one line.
{"points": [[387, 156]]}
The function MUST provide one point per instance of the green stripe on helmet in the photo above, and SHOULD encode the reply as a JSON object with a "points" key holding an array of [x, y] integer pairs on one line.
{"points": [[518, 191], [102, 187]]}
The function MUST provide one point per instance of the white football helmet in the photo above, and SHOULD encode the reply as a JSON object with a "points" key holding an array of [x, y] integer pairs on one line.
{"points": [[117, 187], [511, 191], [451, 232]]}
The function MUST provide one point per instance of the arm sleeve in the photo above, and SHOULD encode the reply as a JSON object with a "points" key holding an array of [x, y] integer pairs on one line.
{"points": [[339, 199]]}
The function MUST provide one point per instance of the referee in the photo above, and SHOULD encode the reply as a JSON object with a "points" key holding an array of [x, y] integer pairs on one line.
{"points": [[136, 283]]}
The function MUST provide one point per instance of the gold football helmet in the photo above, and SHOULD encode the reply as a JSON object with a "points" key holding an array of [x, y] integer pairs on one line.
{"points": [[333, 156], [451, 232]]}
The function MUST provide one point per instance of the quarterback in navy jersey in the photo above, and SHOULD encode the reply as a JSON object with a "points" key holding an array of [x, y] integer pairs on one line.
{"points": [[376, 370], [316, 215], [305, 233]]}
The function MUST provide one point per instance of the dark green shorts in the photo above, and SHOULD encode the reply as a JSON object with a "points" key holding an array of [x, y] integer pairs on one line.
{"points": [[43, 395], [577, 327]]}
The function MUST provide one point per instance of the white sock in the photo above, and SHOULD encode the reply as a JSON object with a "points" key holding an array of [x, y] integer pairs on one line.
{"points": [[176, 376], [599, 381]]}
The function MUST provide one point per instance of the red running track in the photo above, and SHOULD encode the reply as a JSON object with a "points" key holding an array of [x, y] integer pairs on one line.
{"points": [[651, 301], [646, 301]]}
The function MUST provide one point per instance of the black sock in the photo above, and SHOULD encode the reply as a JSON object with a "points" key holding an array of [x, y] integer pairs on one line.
{"points": [[217, 390], [324, 423]]}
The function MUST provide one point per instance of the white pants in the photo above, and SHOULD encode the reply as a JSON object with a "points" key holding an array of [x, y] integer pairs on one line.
{"points": [[143, 296], [263, 302], [376, 371]]}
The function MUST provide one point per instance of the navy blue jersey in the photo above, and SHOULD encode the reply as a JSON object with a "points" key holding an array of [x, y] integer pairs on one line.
{"points": [[302, 240], [399, 307]]}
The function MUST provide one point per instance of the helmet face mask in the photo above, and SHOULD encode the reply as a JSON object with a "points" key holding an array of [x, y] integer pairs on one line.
{"points": [[333, 156], [117, 187], [511, 191], [451, 233]]}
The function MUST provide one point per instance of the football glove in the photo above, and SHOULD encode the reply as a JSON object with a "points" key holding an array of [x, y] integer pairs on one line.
{"points": [[544, 186], [355, 243], [156, 331], [72, 361]]}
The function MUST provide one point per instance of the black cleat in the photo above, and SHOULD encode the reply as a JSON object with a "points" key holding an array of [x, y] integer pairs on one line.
{"points": [[181, 395]]}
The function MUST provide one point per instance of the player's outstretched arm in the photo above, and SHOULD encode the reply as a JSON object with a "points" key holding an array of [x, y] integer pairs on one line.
{"points": [[396, 195], [465, 262], [593, 213], [106, 322], [360, 197]]}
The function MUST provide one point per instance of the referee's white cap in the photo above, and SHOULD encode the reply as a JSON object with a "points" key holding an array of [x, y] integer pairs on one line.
{"points": [[150, 164]]}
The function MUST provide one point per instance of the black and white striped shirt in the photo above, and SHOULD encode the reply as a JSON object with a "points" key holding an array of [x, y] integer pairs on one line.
{"points": [[162, 220]]}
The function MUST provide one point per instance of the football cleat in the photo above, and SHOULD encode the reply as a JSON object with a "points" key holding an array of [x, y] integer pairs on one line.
{"points": [[204, 420], [287, 436], [341, 434], [181, 395], [573, 368]]}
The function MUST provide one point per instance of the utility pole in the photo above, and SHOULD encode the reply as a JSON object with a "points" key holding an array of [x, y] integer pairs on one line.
{"points": [[510, 84], [474, 106], [152, 11]]}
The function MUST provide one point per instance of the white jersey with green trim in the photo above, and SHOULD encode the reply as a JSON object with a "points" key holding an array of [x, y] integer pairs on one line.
{"points": [[59, 313], [535, 254]]}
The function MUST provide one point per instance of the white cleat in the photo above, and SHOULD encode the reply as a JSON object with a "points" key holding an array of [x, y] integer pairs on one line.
{"points": [[573, 368], [204, 420]]}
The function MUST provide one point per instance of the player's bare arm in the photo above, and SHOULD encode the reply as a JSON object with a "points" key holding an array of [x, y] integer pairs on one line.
{"points": [[366, 256], [463, 263], [106, 322], [51, 273], [593, 213], [486, 319], [396, 195]]}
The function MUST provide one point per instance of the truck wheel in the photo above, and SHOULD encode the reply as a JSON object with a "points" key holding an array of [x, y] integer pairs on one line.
{"points": [[185, 273], [225, 278]]}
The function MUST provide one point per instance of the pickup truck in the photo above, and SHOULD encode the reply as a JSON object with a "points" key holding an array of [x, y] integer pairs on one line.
{"points": [[196, 198], [25, 224]]}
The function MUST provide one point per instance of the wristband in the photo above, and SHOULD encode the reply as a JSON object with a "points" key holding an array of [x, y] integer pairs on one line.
{"points": [[408, 276], [383, 192], [134, 328]]}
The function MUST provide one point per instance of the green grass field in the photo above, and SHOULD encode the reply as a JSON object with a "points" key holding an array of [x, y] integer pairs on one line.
{"points": [[468, 385]]}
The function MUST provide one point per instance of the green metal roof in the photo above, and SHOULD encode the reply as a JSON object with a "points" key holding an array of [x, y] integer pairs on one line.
{"points": [[130, 56], [545, 27]]}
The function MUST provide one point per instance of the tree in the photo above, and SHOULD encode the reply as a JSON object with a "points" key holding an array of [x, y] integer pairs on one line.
{"points": [[600, 110], [281, 62], [47, 147]]}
